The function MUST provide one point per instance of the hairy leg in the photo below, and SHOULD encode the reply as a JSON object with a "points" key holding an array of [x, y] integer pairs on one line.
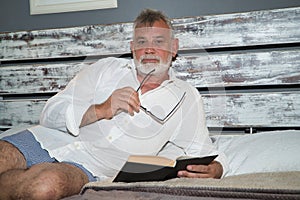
{"points": [[10, 157], [42, 181]]}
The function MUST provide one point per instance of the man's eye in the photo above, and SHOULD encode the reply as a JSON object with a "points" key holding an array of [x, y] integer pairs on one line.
{"points": [[159, 42], [140, 42]]}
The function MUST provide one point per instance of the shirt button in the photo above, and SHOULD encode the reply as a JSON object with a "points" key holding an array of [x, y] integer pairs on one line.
{"points": [[77, 146]]}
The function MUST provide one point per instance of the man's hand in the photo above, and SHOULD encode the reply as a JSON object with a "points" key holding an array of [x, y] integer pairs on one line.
{"points": [[213, 170], [124, 99]]}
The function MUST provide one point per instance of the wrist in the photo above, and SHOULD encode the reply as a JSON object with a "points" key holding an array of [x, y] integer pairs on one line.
{"points": [[102, 111]]}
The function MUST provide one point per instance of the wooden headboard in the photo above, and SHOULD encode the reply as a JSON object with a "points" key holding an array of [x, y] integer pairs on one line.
{"points": [[246, 66]]}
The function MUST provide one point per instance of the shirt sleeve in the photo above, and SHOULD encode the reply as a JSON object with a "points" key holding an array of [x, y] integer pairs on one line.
{"points": [[65, 110]]}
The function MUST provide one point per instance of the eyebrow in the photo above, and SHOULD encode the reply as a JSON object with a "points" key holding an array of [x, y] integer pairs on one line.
{"points": [[140, 37], [143, 37], [160, 36]]}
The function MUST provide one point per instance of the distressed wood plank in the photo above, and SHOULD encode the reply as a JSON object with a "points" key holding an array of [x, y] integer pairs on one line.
{"points": [[253, 109], [240, 29], [20, 112], [230, 110], [37, 78], [214, 31], [262, 67], [280, 67]]}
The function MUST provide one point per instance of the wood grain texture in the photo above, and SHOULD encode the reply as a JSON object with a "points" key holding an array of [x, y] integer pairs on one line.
{"points": [[37, 78], [276, 65], [222, 110], [253, 109], [21, 112], [280, 67], [228, 30]]}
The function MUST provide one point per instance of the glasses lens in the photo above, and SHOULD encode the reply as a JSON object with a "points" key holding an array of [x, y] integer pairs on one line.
{"points": [[157, 112], [161, 114]]}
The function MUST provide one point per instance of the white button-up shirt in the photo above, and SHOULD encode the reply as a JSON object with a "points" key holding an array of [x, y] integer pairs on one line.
{"points": [[104, 146]]}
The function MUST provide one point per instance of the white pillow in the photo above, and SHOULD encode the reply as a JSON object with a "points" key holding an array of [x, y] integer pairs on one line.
{"points": [[272, 151]]}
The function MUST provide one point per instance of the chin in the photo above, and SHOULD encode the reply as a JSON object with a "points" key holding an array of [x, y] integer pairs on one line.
{"points": [[160, 69]]}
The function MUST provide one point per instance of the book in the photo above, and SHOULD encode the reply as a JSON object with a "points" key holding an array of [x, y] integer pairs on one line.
{"points": [[156, 168]]}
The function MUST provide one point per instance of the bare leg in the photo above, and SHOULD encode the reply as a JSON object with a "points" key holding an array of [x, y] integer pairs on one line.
{"points": [[10, 157], [42, 181]]}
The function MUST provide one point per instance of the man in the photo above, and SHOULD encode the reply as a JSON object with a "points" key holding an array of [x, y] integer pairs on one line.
{"points": [[110, 110]]}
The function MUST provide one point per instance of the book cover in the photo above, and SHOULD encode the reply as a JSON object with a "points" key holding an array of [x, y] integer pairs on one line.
{"points": [[156, 168]]}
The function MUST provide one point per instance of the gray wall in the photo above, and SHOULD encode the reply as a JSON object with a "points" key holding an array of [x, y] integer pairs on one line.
{"points": [[15, 14]]}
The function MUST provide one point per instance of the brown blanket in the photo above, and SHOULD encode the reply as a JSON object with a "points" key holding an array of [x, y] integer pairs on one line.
{"points": [[279, 185]]}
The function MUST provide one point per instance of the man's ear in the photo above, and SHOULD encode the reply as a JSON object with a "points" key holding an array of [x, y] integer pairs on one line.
{"points": [[131, 46], [175, 46]]}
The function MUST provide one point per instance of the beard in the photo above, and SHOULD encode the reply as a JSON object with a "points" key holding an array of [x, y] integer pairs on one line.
{"points": [[160, 67]]}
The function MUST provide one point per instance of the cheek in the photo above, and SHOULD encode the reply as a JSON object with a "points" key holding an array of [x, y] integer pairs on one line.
{"points": [[165, 55], [138, 54]]}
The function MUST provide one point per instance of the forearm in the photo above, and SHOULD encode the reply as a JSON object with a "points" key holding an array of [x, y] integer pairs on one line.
{"points": [[121, 100], [95, 113]]}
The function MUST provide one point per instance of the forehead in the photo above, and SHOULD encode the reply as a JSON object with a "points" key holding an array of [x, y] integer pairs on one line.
{"points": [[157, 24], [152, 32], [158, 28]]}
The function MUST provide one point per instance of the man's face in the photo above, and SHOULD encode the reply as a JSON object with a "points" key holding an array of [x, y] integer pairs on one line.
{"points": [[153, 48]]}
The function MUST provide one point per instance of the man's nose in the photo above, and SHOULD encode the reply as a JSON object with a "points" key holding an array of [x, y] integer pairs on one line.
{"points": [[149, 50]]}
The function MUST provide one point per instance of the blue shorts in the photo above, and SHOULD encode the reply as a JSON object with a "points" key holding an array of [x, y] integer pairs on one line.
{"points": [[34, 153]]}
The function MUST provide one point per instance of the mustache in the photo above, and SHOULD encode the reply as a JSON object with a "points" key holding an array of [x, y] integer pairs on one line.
{"points": [[143, 57]]}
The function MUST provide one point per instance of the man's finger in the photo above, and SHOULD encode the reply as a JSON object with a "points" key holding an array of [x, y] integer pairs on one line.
{"points": [[188, 174]]}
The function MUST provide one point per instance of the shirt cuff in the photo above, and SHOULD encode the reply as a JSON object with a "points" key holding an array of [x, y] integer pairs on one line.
{"points": [[73, 118], [223, 161]]}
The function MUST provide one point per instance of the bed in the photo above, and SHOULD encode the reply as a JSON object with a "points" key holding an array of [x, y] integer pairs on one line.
{"points": [[248, 186], [245, 65], [263, 166]]}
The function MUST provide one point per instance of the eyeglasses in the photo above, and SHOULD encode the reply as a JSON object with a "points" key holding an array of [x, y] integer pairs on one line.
{"points": [[148, 112], [172, 143]]}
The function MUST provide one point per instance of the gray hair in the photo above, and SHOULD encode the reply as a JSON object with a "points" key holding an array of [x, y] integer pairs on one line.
{"points": [[149, 16]]}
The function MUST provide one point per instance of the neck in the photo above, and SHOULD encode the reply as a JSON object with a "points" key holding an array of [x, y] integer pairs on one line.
{"points": [[152, 81]]}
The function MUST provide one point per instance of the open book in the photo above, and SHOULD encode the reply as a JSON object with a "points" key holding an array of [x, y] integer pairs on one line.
{"points": [[156, 168]]}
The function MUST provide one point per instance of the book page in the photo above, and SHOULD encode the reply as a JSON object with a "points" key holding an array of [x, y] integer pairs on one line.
{"points": [[184, 157], [152, 160]]}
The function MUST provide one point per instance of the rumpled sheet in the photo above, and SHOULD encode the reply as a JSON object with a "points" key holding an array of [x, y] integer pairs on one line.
{"points": [[274, 185]]}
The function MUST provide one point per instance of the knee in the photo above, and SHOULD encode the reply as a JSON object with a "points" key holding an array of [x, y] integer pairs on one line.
{"points": [[43, 181], [19, 184], [47, 185]]}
